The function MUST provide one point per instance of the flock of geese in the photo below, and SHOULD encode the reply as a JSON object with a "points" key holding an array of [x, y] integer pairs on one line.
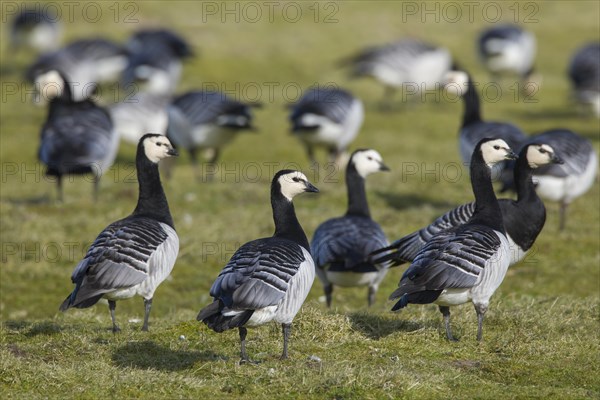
{"points": [[460, 257]]}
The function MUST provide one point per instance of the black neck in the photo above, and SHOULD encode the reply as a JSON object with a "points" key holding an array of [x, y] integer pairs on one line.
{"points": [[487, 211], [152, 201], [523, 181], [286, 223], [472, 111], [357, 196]]}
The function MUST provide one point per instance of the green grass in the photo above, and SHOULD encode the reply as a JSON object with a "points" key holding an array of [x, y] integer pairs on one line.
{"points": [[540, 335]]}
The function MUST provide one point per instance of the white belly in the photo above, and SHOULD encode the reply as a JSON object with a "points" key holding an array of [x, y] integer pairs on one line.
{"points": [[454, 297], [352, 279]]}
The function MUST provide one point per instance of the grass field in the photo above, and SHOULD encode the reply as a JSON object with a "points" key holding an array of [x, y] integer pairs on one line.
{"points": [[541, 335]]}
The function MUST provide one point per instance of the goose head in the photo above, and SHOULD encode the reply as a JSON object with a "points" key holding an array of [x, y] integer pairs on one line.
{"points": [[541, 154], [156, 147], [494, 151], [456, 82], [291, 183], [367, 161]]}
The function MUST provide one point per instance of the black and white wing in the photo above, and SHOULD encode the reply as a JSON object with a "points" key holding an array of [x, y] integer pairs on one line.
{"points": [[124, 255], [207, 107], [333, 104], [170, 43], [452, 259], [573, 149], [406, 249], [584, 69], [344, 244], [473, 133]]}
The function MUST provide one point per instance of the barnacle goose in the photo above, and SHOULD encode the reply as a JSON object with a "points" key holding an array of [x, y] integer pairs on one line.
{"points": [[404, 62], [473, 127], [523, 218], [135, 254], [207, 120], [85, 63], [38, 28], [468, 262], [78, 137], [567, 181], [266, 279], [584, 72], [327, 117], [340, 246], [508, 48], [156, 54]]}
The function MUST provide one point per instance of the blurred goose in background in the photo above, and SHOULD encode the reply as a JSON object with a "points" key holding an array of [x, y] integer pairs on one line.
{"points": [[207, 120], [473, 127], [84, 63], [584, 72], [266, 279], [409, 63], [327, 117], [509, 49], [469, 262], [134, 255], [341, 246], [78, 137], [573, 178], [523, 218], [36, 28]]}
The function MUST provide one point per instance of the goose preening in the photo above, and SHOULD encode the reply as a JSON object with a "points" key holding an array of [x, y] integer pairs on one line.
{"points": [[134, 255], [573, 178], [327, 117], [584, 72], [78, 137], [341, 246], [85, 64], [508, 49], [207, 120], [473, 127], [407, 62], [37, 28], [468, 262], [266, 279], [523, 218]]}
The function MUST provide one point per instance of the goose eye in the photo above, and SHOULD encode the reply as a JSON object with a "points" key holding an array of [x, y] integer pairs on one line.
{"points": [[295, 179], [496, 147], [158, 144], [370, 158], [543, 151]]}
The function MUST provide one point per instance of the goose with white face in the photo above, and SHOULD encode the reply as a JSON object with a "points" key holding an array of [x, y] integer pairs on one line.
{"points": [[456, 82], [542, 154], [158, 147], [294, 183], [495, 151], [367, 162], [48, 86]]}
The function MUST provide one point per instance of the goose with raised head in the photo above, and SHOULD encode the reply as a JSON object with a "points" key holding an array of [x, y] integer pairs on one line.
{"points": [[341, 246], [134, 255], [469, 262], [266, 279]]}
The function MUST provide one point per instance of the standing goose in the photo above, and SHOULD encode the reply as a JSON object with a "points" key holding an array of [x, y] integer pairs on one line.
{"points": [[473, 127], [135, 254], [584, 72], [36, 28], [566, 182], [78, 137], [266, 279], [508, 49], [467, 263], [523, 218], [327, 117], [405, 62], [341, 245]]}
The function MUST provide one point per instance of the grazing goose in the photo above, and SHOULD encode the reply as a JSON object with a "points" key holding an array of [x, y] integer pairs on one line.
{"points": [[85, 63], [523, 218], [407, 63], [566, 182], [36, 28], [508, 49], [466, 263], [135, 254], [584, 72], [327, 117], [207, 120], [78, 137], [341, 245], [473, 127], [266, 279]]}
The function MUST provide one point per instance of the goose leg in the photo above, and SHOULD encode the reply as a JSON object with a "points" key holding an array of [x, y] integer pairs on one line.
{"points": [[147, 306], [96, 187], [371, 298], [111, 306], [310, 152], [244, 355], [480, 309], [386, 102], [563, 215], [446, 313], [213, 156], [286, 329], [328, 291], [59, 188]]}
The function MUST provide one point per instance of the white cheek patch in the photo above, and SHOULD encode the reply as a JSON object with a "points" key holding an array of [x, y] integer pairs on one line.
{"points": [[364, 165], [492, 156], [290, 188], [536, 159], [153, 152], [49, 85]]}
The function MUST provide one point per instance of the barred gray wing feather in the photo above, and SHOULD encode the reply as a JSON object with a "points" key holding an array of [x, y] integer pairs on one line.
{"points": [[258, 274], [206, 107], [334, 104]]}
